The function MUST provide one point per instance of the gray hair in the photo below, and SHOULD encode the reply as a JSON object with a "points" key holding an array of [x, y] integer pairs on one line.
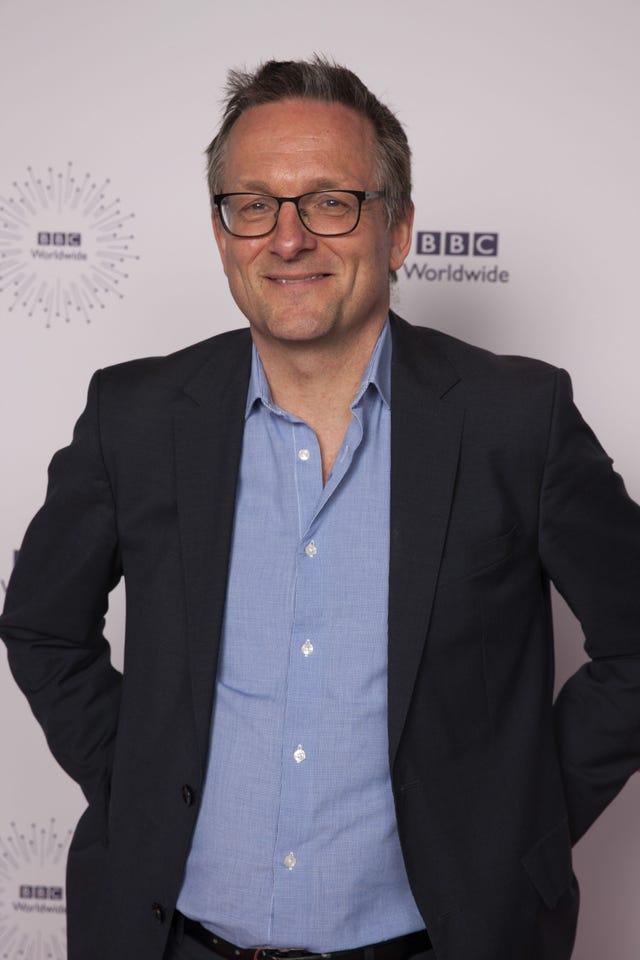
{"points": [[324, 80]]}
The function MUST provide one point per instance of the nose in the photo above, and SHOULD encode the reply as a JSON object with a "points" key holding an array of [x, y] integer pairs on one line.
{"points": [[290, 236]]}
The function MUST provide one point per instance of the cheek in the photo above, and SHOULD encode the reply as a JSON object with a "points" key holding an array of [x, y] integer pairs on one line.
{"points": [[241, 277], [221, 243], [373, 265], [239, 259], [234, 267], [377, 257]]}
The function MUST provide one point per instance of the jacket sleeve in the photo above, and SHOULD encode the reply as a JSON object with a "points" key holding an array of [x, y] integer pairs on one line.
{"points": [[590, 547], [55, 606]]}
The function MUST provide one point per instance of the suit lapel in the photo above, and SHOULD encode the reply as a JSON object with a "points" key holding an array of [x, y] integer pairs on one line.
{"points": [[208, 427], [426, 429]]}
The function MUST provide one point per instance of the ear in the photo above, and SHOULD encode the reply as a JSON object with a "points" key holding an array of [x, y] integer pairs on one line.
{"points": [[401, 234], [221, 238]]}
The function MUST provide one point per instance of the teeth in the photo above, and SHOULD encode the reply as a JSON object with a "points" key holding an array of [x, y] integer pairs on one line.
{"points": [[314, 276]]}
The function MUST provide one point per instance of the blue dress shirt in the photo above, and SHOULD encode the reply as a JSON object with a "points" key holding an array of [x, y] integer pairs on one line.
{"points": [[296, 842]]}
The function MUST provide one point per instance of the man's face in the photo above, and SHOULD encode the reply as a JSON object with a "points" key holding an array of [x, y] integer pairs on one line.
{"points": [[292, 285]]}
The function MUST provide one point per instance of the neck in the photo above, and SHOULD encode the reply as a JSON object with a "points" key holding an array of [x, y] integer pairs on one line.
{"points": [[315, 380], [318, 383]]}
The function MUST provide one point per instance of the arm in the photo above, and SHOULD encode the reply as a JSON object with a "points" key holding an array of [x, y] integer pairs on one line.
{"points": [[56, 603], [590, 547]]}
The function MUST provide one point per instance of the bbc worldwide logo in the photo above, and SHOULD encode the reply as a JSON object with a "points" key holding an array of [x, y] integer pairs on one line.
{"points": [[32, 892], [58, 238], [29, 891], [471, 258], [64, 246], [454, 244]]}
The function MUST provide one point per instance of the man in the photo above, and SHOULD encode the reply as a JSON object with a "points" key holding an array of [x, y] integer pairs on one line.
{"points": [[334, 732]]}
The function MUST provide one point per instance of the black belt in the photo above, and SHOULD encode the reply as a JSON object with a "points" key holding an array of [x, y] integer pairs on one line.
{"points": [[401, 948]]}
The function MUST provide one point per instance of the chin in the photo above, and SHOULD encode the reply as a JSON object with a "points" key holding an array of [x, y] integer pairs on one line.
{"points": [[297, 328]]}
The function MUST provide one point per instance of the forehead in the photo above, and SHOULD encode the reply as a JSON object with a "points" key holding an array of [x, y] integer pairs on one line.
{"points": [[300, 140]]}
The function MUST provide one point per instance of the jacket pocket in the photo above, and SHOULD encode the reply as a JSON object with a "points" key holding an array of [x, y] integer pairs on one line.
{"points": [[468, 561], [548, 864]]}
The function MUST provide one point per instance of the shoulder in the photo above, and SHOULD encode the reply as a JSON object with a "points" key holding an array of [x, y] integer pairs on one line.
{"points": [[146, 381], [181, 367], [479, 371], [142, 394]]}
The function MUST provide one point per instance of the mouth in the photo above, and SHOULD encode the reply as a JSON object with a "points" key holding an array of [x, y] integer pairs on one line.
{"points": [[292, 281]]}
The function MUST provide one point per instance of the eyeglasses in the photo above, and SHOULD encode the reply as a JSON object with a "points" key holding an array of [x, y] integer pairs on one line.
{"points": [[328, 213]]}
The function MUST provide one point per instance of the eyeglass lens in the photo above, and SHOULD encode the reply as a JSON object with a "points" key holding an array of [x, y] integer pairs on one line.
{"points": [[327, 212]]}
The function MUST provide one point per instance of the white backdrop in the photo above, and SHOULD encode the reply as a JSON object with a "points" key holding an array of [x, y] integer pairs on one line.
{"points": [[523, 118]]}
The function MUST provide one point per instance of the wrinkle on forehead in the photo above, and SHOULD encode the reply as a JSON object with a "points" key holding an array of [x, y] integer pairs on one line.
{"points": [[300, 145]]}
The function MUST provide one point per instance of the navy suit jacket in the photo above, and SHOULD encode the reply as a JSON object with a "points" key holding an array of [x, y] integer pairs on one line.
{"points": [[497, 487]]}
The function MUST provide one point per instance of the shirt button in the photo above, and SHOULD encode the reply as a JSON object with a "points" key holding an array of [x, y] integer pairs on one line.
{"points": [[307, 648], [303, 454], [290, 861], [311, 549], [299, 755]]}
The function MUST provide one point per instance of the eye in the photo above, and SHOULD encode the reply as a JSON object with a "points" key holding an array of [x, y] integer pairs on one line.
{"points": [[255, 205], [331, 202]]}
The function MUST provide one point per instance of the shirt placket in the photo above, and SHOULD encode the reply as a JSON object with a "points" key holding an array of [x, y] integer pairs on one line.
{"points": [[293, 855]]}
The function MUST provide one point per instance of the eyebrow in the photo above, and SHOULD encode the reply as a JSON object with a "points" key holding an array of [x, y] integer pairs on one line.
{"points": [[259, 186]]}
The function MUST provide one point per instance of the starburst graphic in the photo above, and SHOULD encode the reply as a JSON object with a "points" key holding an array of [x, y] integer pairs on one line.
{"points": [[65, 246], [32, 900]]}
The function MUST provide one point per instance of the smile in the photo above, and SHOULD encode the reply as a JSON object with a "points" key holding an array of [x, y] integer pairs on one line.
{"points": [[293, 280]]}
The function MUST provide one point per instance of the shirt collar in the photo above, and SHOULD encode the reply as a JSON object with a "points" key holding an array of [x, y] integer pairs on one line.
{"points": [[377, 374]]}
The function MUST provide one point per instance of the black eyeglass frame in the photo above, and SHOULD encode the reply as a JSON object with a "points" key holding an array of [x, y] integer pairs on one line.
{"points": [[360, 195]]}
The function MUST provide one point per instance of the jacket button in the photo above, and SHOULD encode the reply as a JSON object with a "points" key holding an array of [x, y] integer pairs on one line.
{"points": [[158, 912], [188, 795]]}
